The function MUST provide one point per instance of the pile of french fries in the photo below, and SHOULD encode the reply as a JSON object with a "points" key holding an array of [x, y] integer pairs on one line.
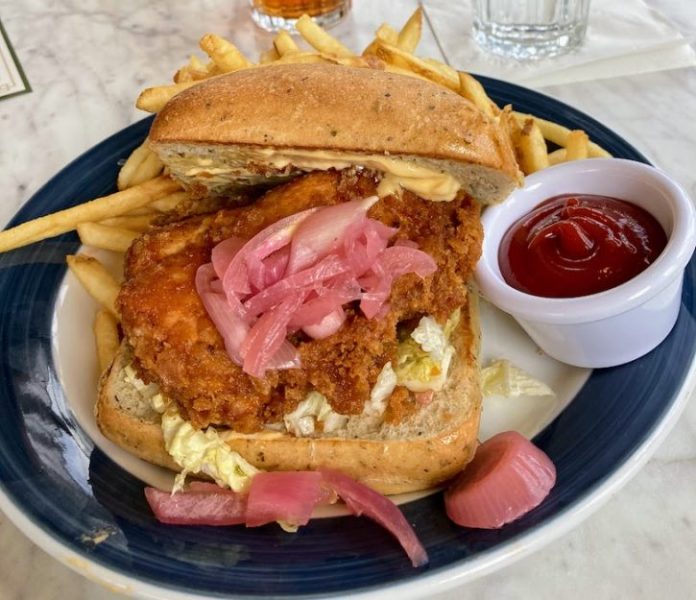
{"points": [[146, 192], [392, 51]]}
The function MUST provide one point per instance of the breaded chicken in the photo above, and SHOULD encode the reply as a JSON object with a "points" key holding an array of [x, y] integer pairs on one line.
{"points": [[176, 345]]}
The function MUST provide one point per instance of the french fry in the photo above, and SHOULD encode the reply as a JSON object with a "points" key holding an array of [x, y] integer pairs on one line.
{"points": [[170, 202], [385, 33], [183, 75], [105, 237], [577, 148], [142, 164], [284, 44], [388, 34], [153, 99], [405, 60], [576, 145], [213, 69], [300, 57], [446, 70], [143, 211], [472, 90], [558, 134], [223, 53], [410, 34], [268, 56], [314, 57], [106, 337], [96, 280], [557, 156], [531, 146], [319, 39], [195, 64], [137, 223], [402, 71], [194, 71], [92, 211], [350, 61]]}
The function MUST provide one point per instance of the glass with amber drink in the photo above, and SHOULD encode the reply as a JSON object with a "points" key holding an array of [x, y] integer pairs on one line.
{"points": [[274, 15]]}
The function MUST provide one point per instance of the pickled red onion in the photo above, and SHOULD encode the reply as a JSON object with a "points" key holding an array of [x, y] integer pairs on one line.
{"points": [[508, 477], [228, 316], [210, 507], [328, 325], [268, 334], [310, 278], [321, 306], [288, 496], [322, 232], [297, 274], [249, 259], [224, 252], [361, 499]]}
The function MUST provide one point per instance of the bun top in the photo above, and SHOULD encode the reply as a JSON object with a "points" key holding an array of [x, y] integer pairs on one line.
{"points": [[336, 108]]}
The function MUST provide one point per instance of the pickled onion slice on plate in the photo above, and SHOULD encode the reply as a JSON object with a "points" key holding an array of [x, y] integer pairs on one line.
{"points": [[208, 506], [508, 477], [286, 496], [363, 500]]}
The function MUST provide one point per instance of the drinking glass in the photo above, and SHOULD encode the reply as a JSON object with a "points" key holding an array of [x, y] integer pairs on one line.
{"points": [[274, 15], [530, 29]]}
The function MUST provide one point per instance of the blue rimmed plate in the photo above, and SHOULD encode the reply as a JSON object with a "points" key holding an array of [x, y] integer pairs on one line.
{"points": [[84, 505]]}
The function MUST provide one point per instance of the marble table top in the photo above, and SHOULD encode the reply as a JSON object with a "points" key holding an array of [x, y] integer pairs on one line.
{"points": [[86, 62]]}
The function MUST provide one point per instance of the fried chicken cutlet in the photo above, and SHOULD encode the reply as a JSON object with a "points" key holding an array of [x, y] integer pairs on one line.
{"points": [[176, 345]]}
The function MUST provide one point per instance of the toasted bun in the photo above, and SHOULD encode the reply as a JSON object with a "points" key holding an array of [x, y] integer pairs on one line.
{"points": [[330, 108], [419, 453]]}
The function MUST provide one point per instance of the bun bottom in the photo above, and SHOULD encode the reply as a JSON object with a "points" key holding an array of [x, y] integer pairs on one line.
{"points": [[414, 456]]}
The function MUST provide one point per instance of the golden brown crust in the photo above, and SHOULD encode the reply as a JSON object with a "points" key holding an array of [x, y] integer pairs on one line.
{"points": [[337, 108], [391, 466], [177, 346]]}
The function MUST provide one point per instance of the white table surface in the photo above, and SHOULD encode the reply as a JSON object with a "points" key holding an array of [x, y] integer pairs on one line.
{"points": [[86, 60]]}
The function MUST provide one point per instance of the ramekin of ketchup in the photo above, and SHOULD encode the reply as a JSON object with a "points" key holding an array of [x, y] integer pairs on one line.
{"points": [[579, 244], [589, 258]]}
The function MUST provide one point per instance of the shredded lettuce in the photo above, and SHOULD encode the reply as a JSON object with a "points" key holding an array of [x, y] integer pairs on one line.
{"points": [[424, 358], [315, 407], [502, 378], [431, 338], [383, 388], [197, 451]]}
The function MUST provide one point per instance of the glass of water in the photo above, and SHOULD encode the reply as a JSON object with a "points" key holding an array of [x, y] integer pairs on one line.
{"points": [[530, 29]]}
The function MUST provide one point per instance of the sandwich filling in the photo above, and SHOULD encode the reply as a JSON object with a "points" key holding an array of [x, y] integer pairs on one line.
{"points": [[246, 164], [423, 361], [177, 346]]}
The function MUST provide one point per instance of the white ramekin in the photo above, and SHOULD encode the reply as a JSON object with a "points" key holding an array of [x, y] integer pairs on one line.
{"points": [[612, 327]]}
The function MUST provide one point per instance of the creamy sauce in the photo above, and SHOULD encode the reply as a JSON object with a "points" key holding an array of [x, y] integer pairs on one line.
{"points": [[398, 173]]}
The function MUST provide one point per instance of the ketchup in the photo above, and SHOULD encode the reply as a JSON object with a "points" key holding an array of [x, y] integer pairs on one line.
{"points": [[579, 244]]}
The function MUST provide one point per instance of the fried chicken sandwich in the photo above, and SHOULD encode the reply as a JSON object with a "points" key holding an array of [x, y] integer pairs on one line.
{"points": [[326, 319]]}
